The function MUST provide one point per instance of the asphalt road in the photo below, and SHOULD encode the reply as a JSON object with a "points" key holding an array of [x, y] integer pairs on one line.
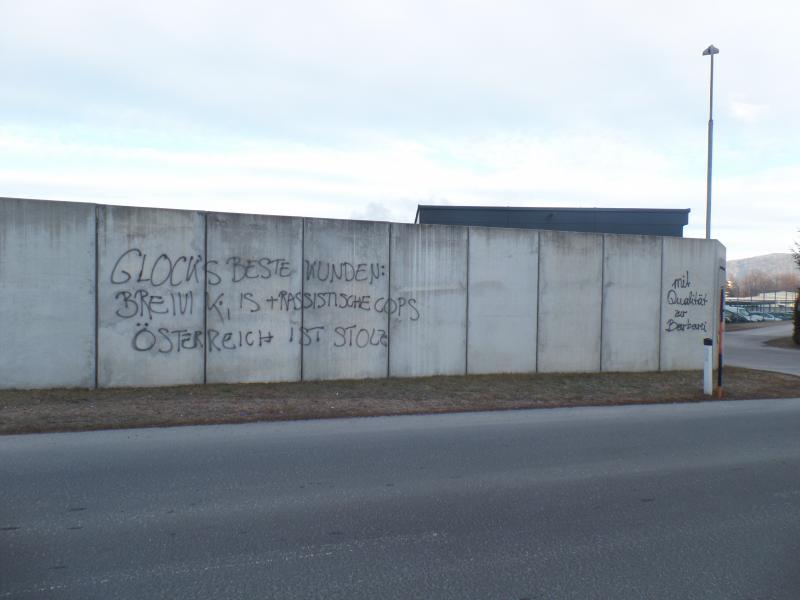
{"points": [[672, 501], [745, 348]]}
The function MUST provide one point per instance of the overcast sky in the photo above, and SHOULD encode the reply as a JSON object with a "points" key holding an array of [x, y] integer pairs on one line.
{"points": [[352, 109]]}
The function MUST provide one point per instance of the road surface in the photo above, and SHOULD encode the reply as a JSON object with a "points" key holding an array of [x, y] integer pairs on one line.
{"points": [[745, 348], [672, 501]]}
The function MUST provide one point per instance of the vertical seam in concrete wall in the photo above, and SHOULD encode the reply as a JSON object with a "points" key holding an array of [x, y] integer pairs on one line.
{"points": [[660, 302], [302, 290], [96, 295], [388, 314], [602, 297], [205, 298], [466, 319], [538, 294]]}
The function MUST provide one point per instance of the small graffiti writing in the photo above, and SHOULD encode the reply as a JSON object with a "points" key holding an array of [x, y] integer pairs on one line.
{"points": [[681, 300]]}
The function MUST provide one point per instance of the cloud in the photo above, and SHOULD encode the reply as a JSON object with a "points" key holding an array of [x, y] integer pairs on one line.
{"points": [[347, 108], [373, 211], [384, 178], [746, 111], [314, 69]]}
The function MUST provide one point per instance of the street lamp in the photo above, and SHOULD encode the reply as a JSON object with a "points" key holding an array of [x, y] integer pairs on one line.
{"points": [[710, 51]]}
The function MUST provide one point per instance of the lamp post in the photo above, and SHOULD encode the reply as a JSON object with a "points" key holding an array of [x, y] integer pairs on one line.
{"points": [[710, 51]]}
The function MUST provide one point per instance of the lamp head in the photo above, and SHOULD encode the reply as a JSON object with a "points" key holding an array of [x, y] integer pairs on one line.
{"points": [[710, 50]]}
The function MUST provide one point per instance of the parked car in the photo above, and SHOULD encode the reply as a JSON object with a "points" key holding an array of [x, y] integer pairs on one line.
{"points": [[743, 312], [764, 316], [732, 317]]}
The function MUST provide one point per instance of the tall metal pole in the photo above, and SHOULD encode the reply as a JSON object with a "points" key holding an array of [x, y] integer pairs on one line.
{"points": [[710, 51]]}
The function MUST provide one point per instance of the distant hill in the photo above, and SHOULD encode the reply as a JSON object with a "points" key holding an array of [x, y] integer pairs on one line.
{"points": [[772, 265]]}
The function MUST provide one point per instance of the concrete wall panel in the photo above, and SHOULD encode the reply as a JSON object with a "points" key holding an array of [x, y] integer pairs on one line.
{"points": [[47, 307], [631, 302], [279, 299], [254, 314], [503, 279], [151, 296], [689, 288], [429, 300], [346, 289], [570, 275]]}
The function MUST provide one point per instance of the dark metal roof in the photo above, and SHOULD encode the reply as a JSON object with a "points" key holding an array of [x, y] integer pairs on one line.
{"points": [[645, 221]]}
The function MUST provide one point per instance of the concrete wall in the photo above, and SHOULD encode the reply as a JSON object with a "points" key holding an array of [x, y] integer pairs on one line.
{"points": [[689, 306], [631, 302], [428, 314], [570, 297], [151, 286], [47, 262], [346, 291], [118, 296], [503, 296], [254, 315]]}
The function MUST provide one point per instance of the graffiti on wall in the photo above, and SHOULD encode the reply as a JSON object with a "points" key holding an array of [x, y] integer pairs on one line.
{"points": [[250, 302], [159, 294], [686, 307]]}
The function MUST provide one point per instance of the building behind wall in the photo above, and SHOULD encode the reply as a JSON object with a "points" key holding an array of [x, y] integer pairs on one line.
{"points": [[643, 221]]}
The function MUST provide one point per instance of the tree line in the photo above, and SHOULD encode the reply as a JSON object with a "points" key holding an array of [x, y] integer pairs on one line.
{"points": [[755, 282]]}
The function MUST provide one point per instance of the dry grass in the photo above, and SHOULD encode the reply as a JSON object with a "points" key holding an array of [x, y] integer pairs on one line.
{"points": [[29, 411]]}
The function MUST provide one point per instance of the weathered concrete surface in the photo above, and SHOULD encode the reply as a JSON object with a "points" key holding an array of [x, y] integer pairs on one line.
{"points": [[151, 296], [689, 297], [346, 287], [428, 324], [631, 302], [503, 279], [402, 300], [254, 314], [570, 272], [47, 262]]}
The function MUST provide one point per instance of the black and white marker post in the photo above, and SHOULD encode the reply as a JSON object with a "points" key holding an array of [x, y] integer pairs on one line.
{"points": [[708, 366]]}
